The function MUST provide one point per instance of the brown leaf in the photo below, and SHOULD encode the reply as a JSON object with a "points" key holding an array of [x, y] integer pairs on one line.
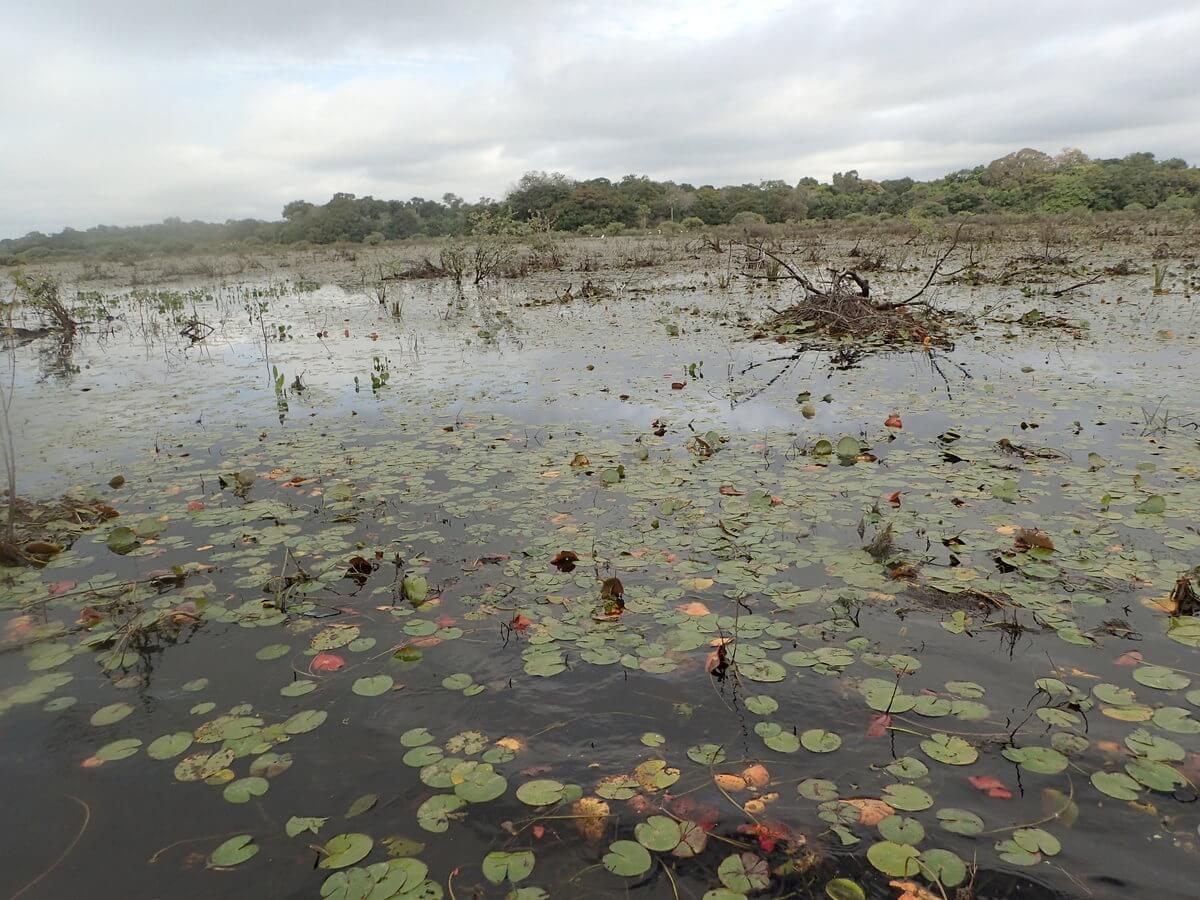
{"points": [[871, 811], [729, 782], [910, 890], [756, 775], [1028, 538], [592, 821]]}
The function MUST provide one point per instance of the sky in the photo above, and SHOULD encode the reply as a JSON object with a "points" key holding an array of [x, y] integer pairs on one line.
{"points": [[129, 111]]}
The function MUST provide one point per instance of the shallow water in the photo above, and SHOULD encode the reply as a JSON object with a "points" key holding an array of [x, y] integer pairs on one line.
{"points": [[458, 471]]}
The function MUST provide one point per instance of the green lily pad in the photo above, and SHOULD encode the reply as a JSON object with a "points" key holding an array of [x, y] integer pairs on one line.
{"points": [[896, 860], [907, 797], [1042, 760], [541, 792], [959, 821], [901, 830], [744, 872], [272, 651], [818, 789], [233, 852], [659, 833], [121, 749], [762, 704], [948, 868], [344, 850], [707, 754], [1116, 784], [514, 866], [300, 824], [241, 790], [361, 805], [169, 745], [305, 721], [627, 858], [436, 813], [373, 685], [818, 740], [844, 889], [948, 749], [1161, 678], [109, 715], [415, 737]]}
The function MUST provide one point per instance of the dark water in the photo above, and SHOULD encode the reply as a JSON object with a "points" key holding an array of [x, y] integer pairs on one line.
{"points": [[458, 470]]}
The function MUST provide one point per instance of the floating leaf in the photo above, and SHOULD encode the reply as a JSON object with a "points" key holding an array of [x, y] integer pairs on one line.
{"points": [[108, 715], [233, 852], [416, 737], [761, 704], [1162, 678], [169, 745], [304, 722], [436, 813], [844, 889], [952, 750], [907, 797], [948, 868], [298, 825], [659, 833], [272, 651], [707, 754], [1116, 784], [901, 830], [121, 749], [345, 850], [897, 860], [960, 821], [1155, 505], [744, 872], [243, 789], [1042, 760], [818, 740], [627, 858], [373, 685], [361, 805], [514, 866], [479, 784], [819, 789], [1157, 776], [541, 792]]}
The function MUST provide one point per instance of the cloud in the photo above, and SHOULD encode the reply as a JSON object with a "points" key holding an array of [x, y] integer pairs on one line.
{"points": [[133, 110]]}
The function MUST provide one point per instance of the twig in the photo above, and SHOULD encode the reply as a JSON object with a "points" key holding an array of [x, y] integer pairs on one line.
{"points": [[933, 273], [87, 817], [1093, 280]]}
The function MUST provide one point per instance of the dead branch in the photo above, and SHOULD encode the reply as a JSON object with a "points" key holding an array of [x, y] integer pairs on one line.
{"points": [[933, 273], [1093, 280]]}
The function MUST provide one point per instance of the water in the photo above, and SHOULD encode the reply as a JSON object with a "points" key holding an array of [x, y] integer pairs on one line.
{"points": [[458, 471]]}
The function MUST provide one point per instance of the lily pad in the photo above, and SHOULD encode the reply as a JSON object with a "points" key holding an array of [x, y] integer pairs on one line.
{"points": [[627, 858]]}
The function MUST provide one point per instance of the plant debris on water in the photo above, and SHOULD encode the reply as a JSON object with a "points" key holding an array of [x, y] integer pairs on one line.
{"points": [[585, 598]]}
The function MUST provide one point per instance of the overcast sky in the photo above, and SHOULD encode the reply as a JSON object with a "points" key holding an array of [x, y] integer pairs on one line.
{"points": [[128, 111]]}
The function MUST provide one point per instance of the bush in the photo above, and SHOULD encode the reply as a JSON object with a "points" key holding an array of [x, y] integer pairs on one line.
{"points": [[747, 218], [692, 223], [612, 229], [374, 239]]}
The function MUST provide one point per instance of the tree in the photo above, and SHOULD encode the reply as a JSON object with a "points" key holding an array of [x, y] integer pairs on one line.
{"points": [[538, 192]]}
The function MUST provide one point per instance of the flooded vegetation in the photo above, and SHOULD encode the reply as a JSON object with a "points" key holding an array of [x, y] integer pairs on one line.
{"points": [[830, 561]]}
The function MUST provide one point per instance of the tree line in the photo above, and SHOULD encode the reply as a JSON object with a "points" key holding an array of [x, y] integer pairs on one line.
{"points": [[1026, 181]]}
